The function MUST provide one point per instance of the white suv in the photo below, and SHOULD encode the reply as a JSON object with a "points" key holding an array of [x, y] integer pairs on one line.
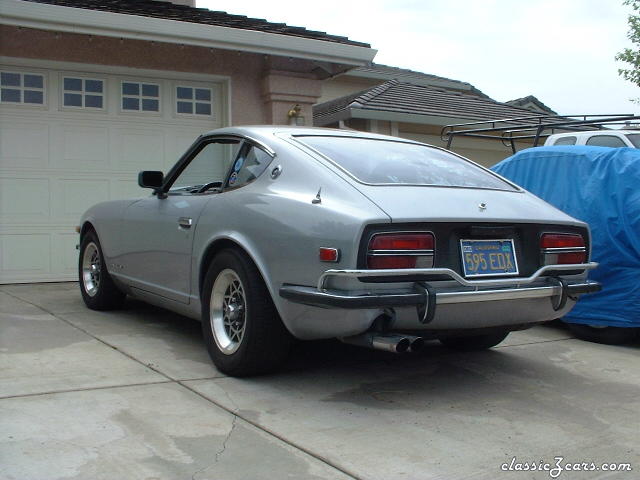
{"points": [[598, 138]]}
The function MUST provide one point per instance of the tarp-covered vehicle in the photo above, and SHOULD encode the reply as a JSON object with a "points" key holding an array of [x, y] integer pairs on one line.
{"points": [[600, 186]]}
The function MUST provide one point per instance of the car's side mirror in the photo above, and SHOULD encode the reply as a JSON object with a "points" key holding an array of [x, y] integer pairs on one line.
{"points": [[150, 179]]}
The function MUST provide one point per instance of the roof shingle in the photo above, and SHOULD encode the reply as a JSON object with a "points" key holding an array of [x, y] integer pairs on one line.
{"points": [[403, 97], [183, 13]]}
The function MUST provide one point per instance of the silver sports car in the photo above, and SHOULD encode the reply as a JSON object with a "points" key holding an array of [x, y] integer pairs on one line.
{"points": [[269, 234]]}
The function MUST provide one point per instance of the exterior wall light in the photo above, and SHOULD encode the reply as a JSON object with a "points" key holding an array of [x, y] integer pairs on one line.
{"points": [[295, 116]]}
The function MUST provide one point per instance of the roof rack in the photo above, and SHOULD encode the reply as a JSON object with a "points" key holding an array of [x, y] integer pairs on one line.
{"points": [[532, 127]]}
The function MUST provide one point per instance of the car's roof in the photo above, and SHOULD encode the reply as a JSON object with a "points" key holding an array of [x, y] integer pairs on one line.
{"points": [[265, 131]]}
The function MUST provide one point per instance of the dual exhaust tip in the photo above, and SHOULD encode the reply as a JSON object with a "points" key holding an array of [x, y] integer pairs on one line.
{"points": [[394, 343]]}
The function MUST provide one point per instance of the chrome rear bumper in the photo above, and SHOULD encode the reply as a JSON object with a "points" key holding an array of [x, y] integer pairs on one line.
{"points": [[545, 282], [340, 299]]}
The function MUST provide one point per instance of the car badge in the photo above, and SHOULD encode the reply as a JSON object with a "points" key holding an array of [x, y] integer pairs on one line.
{"points": [[482, 206]]}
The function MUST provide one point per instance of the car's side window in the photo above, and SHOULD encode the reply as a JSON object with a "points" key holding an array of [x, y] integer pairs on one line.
{"points": [[248, 166], [606, 141], [566, 141], [208, 169]]}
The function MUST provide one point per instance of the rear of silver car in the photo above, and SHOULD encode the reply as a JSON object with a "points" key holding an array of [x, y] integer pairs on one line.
{"points": [[441, 298], [455, 259]]}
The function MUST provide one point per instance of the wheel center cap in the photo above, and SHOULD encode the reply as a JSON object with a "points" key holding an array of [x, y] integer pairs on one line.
{"points": [[232, 311]]}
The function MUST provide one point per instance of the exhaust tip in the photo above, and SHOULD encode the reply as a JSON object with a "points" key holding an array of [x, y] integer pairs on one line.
{"points": [[417, 344], [403, 345]]}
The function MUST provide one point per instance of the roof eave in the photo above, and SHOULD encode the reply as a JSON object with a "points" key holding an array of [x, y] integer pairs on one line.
{"points": [[331, 118], [92, 22]]}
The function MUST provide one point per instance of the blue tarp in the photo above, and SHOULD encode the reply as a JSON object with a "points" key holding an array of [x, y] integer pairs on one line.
{"points": [[600, 186]]}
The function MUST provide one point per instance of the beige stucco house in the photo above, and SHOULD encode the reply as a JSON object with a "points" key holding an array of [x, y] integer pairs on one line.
{"points": [[93, 91]]}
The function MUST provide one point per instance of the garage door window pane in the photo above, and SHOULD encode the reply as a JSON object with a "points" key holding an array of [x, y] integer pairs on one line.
{"points": [[130, 103], [8, 79], [21, 88], [130, 88], [94, 86], [10, 95], [184, 93], [149, 105], [72, 100], [203, 94], [33, 96], [73, 84], [185, 107], [93, 101], [149, 90], [34, 81], [203, 108]]}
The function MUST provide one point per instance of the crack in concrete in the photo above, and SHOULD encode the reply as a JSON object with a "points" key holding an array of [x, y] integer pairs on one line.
{"points": [[224, 443], [219, 452]]}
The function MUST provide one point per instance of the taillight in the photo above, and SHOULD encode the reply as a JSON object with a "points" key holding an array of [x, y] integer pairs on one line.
{"points": [[401, 250], [562, 248]]}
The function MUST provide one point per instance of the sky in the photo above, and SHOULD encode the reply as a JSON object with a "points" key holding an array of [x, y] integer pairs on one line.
{"points": [[561, 51]]}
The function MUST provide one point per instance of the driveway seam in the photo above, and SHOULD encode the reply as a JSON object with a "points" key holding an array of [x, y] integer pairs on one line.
{"points": [[209, 400], [87, 389], [535, 343]]}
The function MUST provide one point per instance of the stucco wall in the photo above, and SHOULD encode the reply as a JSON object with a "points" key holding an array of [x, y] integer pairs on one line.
{"points": [[340, 86], [251, 102]]}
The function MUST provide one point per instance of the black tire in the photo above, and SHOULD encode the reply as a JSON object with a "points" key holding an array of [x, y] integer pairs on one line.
{"points": [[606, 335], [474, 342], [98, 293], [265, 342]]}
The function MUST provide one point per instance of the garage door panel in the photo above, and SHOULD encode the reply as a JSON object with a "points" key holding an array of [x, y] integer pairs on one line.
{"points": [[81, 147], [122, 189], [24, 145], [24, 200], [140, 149], [66, 259], [75, 195], [25, 254]]}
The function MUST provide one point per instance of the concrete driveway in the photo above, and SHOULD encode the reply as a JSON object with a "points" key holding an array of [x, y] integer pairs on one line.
{"points": [[132, 395]]}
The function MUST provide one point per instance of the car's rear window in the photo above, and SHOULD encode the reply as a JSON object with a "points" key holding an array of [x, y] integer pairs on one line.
{"points": [[384, 162]]}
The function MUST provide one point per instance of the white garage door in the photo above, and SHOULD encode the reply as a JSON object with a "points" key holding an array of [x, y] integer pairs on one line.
{"points": [[70, 138]]}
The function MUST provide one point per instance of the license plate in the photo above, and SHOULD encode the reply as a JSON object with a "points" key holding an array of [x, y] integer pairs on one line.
{"points": [[488, 257]]}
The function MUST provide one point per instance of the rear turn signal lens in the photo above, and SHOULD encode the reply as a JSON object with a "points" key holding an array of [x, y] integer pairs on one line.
{"points": [[562, 248], [401, 250], [327, 254]]}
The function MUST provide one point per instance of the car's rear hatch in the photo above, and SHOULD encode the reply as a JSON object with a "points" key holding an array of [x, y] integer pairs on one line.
{"points": [[455, 215], [406, 203]]}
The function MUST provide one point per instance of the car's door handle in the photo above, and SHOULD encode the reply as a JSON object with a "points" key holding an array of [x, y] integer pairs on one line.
{"points": [[185, 222]]}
